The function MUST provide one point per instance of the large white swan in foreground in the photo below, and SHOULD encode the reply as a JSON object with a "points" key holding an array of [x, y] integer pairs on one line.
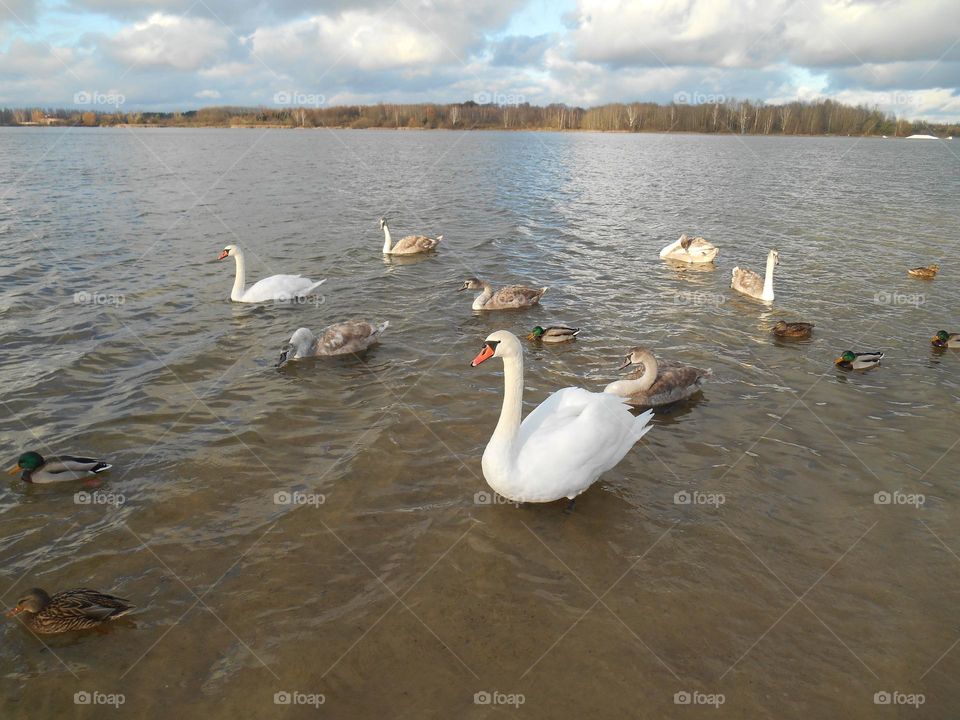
{"points": [[750, 283], [690, 250], [564, 445], [276, 287]]}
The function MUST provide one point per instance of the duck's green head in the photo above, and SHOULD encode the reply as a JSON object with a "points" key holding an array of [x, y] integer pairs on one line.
{"points": [[536, 333], [941, 337], [28, 461], [846, 357]]}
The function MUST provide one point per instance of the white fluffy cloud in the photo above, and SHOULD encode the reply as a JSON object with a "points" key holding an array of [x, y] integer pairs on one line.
{"points": [[902, 55], [173, 41]]}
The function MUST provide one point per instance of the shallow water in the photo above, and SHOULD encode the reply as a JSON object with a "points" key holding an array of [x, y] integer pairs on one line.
{"points": [[400, 595]]}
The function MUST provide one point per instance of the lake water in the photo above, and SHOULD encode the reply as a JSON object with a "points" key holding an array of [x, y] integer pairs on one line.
{"points": [[400, 595]]}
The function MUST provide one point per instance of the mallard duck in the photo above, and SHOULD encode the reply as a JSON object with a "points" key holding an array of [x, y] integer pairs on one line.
{"points": [[653, 384], [409, 245], [79, 609], [750, 283], [850, 360], [927, 272], [508, 298], [943, 339], [690, 250], [56, 469], [553, 333], [792, 330], [344, 338]]}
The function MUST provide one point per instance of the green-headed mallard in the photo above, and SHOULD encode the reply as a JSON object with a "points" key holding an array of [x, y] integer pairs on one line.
{"points": [[850, 360], [79, 609], [56, 469], [553, 333], [651, 384], [927, 272], [409, 245], [792, 330], [508, 298], [943, 339]]}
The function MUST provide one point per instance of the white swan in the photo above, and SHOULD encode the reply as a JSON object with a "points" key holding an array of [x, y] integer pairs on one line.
{"points": [[409, 245], [276, 287], [564, 445], [344, 338], [749, 283], [690, 250]]}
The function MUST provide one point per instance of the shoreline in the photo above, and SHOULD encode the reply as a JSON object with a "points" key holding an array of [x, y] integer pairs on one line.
{"points": [[274, 126]]}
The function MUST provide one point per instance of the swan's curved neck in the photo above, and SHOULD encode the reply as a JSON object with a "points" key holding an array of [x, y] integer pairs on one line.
{"points": [[482, 300], [387, 240], [240, 281], [635, 382], [509, 423], [768, 278]]}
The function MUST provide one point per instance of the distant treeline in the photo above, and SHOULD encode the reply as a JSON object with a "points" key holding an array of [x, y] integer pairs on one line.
{"points": [[821, 117]]}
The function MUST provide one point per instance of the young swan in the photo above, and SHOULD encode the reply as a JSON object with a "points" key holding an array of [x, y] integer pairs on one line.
{"points": [[353, 336], [750, 283], [690, 250], [508, 298], [650, 384], [410, 245]]}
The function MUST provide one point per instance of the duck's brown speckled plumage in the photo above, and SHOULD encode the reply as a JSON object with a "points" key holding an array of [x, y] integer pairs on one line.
{"points": [[79, 609], [927, 272], [792, 330]]}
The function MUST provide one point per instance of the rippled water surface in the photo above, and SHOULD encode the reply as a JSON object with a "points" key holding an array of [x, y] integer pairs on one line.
{"points": [[400, 595]]}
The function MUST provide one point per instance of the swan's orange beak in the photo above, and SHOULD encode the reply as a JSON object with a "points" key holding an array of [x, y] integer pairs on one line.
{"points": [[223, 254], [483, 355]]}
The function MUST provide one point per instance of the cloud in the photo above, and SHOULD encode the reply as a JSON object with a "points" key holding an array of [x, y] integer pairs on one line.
{"points": [[179, 54], [520, 50], [171, 41]]}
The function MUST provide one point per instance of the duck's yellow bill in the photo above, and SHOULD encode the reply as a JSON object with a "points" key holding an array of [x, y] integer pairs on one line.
{"points": [[838, 361], [14, 470]]}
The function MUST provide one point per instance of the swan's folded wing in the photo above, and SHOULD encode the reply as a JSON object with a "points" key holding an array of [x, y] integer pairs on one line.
{"points": [[747, 280], [517, 295], [576, 432], [347, 337], [279, 287]]}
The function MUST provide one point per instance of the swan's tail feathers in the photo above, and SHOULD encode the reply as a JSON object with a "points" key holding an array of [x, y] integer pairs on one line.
{"points": [[312, 288], [641, 424]]}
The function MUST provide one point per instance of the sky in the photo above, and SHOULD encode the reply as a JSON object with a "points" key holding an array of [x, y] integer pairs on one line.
{"points": [[902, 56]]}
